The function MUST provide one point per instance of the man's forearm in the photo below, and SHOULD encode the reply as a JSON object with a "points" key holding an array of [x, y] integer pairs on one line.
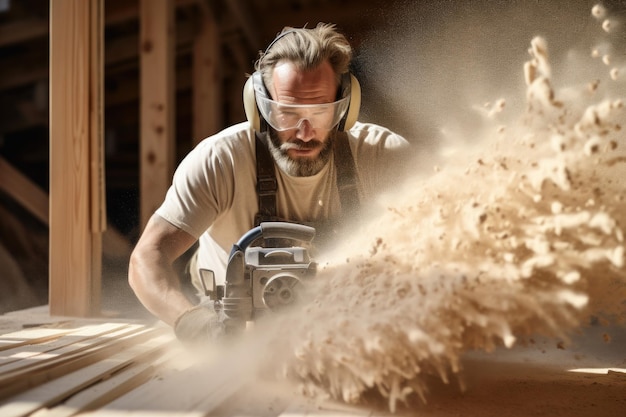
{"points": [[157, 286]]}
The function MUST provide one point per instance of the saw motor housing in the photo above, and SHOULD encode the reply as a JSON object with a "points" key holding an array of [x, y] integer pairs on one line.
{"points": [[266, 278], [277, 275]]}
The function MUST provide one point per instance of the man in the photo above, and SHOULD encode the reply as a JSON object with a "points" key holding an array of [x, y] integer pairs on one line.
{"points": [[298, 103]]}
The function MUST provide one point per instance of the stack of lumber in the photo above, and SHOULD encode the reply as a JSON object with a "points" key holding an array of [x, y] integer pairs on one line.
{"points": [[67, 368], [54, 367]]}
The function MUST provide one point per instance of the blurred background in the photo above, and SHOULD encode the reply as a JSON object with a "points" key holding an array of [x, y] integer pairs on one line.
{"points": [[244, 27]]}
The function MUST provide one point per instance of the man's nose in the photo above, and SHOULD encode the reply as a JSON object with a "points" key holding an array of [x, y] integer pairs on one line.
{"points": [[305, 131]]}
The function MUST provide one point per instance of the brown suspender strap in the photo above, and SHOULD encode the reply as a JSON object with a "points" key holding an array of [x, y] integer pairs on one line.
{"points": [[346, 175], [267, 186]]}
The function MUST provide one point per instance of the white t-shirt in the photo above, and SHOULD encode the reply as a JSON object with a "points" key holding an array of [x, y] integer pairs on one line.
{"points": [[213, 194]]}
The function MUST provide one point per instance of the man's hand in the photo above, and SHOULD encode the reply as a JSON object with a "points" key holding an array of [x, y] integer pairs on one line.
{"points": [[200, 324]]}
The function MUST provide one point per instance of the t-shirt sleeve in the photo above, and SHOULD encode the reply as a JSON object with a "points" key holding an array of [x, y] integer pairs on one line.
{"points": [[201, 188]]}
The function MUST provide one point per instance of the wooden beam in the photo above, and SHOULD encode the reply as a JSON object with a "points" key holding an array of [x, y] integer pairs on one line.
{"points": [[22, 31], [157, 114], [239, 52], [128, 89], [247, 22], [76, 171], [24, 191], [97, 188], [118, 11], [30, 196], [207, 79], [127, 48], [30, 72], [32, 67]]}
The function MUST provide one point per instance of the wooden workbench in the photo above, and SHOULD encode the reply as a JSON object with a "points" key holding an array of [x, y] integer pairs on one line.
{"points": [[56, 366], [107, 367]]}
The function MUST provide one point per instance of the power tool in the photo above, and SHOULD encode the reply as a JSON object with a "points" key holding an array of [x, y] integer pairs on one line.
{"points": [[267, 271]]}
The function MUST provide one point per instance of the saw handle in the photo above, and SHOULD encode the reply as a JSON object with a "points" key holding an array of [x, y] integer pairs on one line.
{"points": [[271, 230]]}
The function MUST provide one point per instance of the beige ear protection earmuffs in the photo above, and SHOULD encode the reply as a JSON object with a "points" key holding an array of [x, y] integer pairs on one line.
{"points": [[349, 87]]}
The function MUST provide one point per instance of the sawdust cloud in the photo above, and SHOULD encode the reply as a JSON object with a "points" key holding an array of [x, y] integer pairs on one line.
{"points": [[518, 232]]}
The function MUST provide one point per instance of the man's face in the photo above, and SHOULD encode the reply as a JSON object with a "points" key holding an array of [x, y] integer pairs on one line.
{"points": [[305, 149]]}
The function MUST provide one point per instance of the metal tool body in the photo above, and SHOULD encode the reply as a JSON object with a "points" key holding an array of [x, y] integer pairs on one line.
{"points": [[264, 278]]}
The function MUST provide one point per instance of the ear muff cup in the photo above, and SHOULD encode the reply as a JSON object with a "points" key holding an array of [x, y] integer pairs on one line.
{"points": [[255, 81], [249, 105], [352, 114]]}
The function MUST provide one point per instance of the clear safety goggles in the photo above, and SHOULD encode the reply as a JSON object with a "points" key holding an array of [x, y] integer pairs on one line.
{"points": [[290, 116]]}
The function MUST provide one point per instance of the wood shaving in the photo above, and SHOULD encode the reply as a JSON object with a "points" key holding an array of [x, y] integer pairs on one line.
{"points": [[527, 239]]}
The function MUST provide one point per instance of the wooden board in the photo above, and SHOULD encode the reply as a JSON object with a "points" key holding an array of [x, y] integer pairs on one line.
{"points": [[23, 190], [41, 336], [207, 78], [157, 108], [52, 392], [94, 367], [76, 35], [61, 371], [132, 369]]}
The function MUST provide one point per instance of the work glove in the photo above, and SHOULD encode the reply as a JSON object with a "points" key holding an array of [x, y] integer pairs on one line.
{"points": [[199, 325]]}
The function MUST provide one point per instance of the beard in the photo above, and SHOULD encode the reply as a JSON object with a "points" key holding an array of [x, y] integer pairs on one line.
{"points": [[300, 167]]}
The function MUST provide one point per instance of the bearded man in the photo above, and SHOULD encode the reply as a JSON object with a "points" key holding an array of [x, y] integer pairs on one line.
{"points": [[301, 156]]}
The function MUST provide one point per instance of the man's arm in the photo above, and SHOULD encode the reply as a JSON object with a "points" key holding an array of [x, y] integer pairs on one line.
{"points": [[151, 273]]}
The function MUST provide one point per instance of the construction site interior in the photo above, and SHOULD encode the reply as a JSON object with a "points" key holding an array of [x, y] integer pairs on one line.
{"points": [[490, 282]]}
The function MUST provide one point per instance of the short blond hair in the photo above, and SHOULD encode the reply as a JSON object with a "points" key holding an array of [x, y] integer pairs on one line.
{"points": [[306, 49]]}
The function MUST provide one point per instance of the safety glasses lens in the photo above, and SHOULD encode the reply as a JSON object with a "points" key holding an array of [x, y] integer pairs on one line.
{"points": [[290, 116]]}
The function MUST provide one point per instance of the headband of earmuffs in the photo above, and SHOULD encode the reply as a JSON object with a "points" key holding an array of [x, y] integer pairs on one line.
{"points": [[349, 87]]}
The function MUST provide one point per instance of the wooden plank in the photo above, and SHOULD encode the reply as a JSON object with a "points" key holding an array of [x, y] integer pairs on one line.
{"points": [[75, 276], [207, 79], [212, 385], [120, 11], [22, 31], [62, 349], [157, 114], [119, 50], [108, 389], [218, 395], [29, 337], [35, 200], [97, 186], [303, 407], [258, 398], [75, 336], [58, 389], [28, 194], [247, 22], [23, 376], [96, 116], [26, 30]]}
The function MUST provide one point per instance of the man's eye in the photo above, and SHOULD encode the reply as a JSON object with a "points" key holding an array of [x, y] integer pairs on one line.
{"points": [[289, 117]]}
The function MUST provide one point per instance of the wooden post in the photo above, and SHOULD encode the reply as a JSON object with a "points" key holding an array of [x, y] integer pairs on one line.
{"points": [[156, 47], [77, 206], [207, 79]]}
